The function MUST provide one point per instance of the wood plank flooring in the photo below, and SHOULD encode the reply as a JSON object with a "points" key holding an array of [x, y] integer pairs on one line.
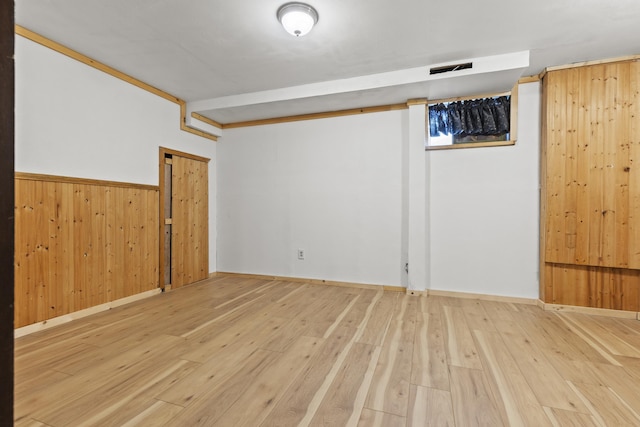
{"points": [[233, 351]]}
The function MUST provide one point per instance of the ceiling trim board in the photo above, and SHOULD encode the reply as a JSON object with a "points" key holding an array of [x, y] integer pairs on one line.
{"points": [[465, 98], [315, 116], [187, 124], [57, 47], [529, 79], [589, 63], [37, 38], [206, 120]]}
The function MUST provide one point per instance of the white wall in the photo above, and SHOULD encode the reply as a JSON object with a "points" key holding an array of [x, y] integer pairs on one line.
{"points": [[338, 189], [484, 207], [332, 187], [73, 120]]}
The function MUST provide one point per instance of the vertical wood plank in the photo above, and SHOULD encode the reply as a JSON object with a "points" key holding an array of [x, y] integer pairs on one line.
{"points": [[203, 220], [596, 164], [633, 166], [554, 165], [81, 246], [569, 136], [19, 263], [619, 162], [583, 158], [71, 252], [98, 264], [52, 291], [544, 288], [189, 242], [111, 233], [132, 249], [40, 237], [178, 219], [591, 185], [65, 249], [153, 247]]}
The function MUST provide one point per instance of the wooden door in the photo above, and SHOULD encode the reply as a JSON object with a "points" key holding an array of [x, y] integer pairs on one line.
{"points": [[185, 255]]}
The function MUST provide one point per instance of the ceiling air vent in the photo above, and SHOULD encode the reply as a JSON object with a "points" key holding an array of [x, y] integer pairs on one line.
{"points": [[449, 68]]}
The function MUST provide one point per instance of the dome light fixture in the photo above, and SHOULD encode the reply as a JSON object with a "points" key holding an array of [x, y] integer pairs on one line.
{"points": [[297, 18]]}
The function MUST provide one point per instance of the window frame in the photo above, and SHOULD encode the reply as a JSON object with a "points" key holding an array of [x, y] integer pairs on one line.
{"points": [[513, 122]]}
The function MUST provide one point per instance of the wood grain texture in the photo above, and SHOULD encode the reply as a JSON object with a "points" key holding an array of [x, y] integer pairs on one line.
{"points": [[241, 351], [473, 403], [370, 418], [590, 191], [316, 116], [190, 221], [589, 113], [85, 181], [634, 165], [81, 245], [519, 405], [430, 407], [430, 367], [587, 286]]}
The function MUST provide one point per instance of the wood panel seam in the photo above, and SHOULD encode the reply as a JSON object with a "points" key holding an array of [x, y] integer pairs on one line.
{"points": [[83, 181]]}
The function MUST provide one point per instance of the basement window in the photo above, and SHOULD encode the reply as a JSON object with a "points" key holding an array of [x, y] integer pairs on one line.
{"points": [[486, 121]]}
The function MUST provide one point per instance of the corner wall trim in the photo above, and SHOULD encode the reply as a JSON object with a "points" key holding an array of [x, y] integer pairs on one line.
{"points": [[56, 321], [37, 38]]}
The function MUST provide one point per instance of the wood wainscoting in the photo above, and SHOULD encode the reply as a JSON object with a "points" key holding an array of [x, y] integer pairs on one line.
{"points": [[589, 286], [590, 192], [81, 243]]}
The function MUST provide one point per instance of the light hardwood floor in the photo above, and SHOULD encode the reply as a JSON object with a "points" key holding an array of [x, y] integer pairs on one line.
{"points": [[232, 351]]}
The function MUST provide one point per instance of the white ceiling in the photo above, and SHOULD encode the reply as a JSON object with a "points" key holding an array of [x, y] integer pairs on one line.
{"points": [[209, 51]]}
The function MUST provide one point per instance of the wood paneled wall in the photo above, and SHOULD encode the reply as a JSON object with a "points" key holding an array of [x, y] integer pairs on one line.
{"points": [[81, 243], [190, 221], [591, 186], [590, 286]]}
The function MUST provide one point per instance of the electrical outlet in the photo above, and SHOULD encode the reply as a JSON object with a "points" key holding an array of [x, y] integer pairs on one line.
{"points": [[301, 254]]}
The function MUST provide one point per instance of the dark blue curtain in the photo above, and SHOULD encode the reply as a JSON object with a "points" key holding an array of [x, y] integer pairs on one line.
{"points": [[486, 116]]}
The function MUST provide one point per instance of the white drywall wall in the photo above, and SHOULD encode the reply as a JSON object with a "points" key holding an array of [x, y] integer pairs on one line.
{"points": [[484, 207], [338, 189], [332, 187]]}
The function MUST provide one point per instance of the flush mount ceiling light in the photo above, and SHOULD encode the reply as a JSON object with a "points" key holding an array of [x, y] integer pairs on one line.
{"points": [[297, 18]]}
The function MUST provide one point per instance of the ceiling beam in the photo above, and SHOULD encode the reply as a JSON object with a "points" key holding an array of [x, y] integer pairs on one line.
{"points": [[481, 65]]}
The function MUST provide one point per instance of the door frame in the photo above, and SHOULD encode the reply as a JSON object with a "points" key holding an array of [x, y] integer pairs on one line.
{"points": [[163, 153], [7, 209]]}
